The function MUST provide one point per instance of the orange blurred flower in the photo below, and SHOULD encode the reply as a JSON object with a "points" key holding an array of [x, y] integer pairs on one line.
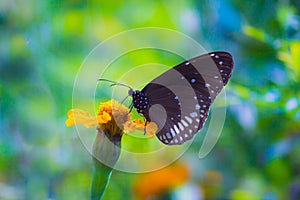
{"points": [[159, 182]]}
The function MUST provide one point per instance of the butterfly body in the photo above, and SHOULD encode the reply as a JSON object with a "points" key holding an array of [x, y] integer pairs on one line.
{"points": [[140, 101]]}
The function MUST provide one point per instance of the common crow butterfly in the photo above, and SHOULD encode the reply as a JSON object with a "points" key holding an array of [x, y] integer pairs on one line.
{"points": [[178, 100]]}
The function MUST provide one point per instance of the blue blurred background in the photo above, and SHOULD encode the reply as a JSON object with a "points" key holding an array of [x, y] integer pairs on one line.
{"points": [[43, 44]]}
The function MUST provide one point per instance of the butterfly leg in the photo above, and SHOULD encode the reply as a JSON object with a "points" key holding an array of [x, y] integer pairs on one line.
{"points": [[145, 127], [124, 99], [130, 107]]}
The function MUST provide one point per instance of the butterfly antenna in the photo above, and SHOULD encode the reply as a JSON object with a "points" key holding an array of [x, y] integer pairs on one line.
{"points": [[114, 83]]}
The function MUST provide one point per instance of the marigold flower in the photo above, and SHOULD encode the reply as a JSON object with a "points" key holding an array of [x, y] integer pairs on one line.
{"points": [[111, 116], [113, 120]]}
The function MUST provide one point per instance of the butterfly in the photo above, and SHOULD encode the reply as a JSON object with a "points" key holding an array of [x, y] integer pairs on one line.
{"points": [[179, 100]]}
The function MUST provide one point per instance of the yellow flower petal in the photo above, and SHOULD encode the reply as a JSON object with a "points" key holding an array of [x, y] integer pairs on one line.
{"points": [[112, 116], [77, 116], [103, 118]]}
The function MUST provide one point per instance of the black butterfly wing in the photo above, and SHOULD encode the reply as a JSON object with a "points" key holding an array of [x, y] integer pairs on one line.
{"points": [[181, 97]]}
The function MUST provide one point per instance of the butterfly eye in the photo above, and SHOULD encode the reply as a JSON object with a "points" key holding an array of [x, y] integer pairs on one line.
{"points": [[130, 92]]}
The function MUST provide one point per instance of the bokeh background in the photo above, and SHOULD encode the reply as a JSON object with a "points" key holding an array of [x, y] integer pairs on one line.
{"points": [[43, 44]]}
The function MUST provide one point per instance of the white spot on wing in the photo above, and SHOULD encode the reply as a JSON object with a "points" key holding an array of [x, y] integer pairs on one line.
{"points": [[176, 129], [193, 80], [197, 107], [193, 114], [180, 126], [168, 135], [187, 63], [188, 119], [172, 132], [184, 123]]}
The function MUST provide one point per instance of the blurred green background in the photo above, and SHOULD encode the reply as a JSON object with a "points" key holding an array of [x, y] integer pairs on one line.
{"points": [[43, 43]]}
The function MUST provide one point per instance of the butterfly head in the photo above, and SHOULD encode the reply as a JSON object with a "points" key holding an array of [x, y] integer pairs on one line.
{"points": [[130, 92]]}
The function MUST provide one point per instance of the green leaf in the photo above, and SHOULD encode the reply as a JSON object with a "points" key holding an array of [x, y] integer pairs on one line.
{"points": [[254, 33]]}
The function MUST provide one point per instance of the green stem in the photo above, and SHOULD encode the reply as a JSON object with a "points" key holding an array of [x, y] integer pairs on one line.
{"points": [[106, 152], [101, 177]]}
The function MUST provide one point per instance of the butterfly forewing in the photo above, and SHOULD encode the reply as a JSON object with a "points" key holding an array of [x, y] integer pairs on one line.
{"points": [[181, 97]]}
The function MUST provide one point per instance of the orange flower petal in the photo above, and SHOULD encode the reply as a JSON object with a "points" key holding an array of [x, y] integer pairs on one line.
{"points": [[137, 124], [129, 126]]}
